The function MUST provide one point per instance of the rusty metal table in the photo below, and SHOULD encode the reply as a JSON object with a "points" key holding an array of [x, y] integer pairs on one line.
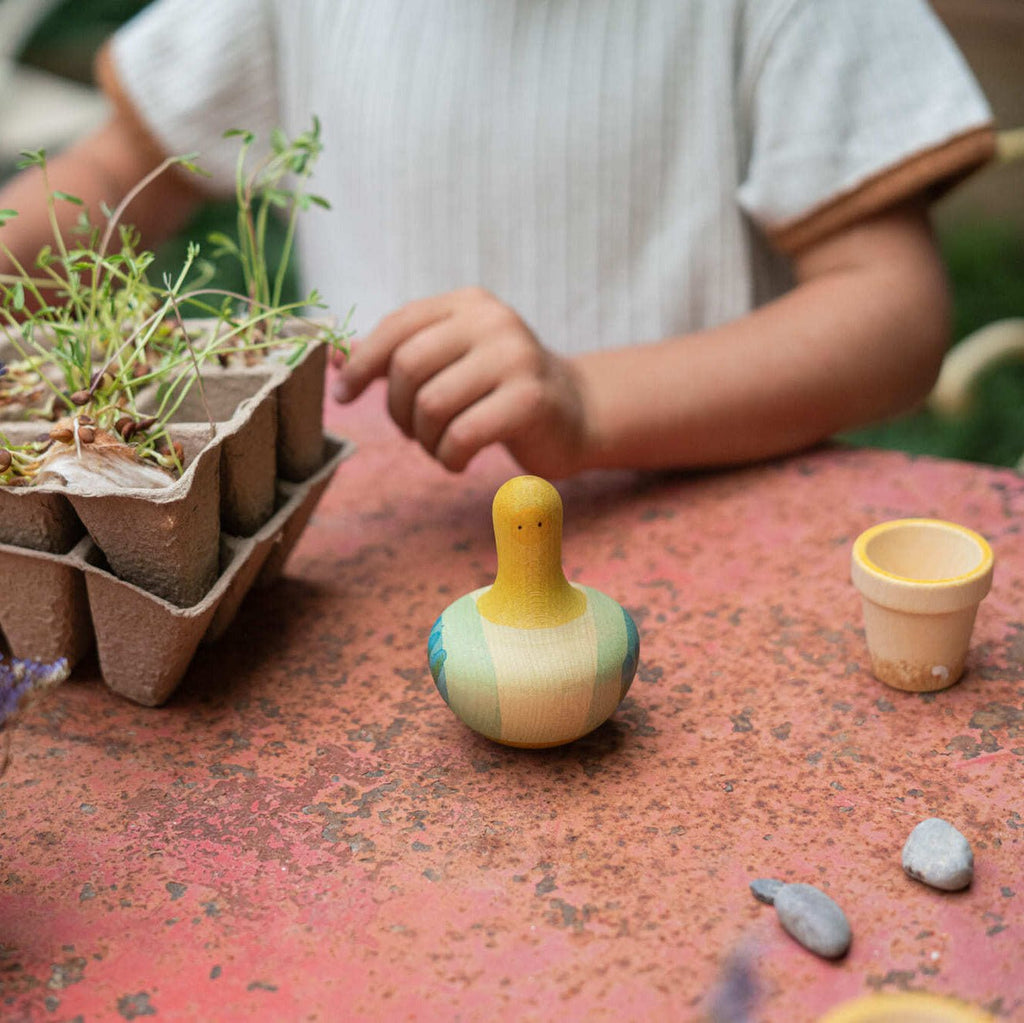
{"points": [[306, 832]]}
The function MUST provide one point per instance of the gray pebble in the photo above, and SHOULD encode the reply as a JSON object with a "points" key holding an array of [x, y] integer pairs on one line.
{"points": [[937, 854], [765, 889], [813, 919]]}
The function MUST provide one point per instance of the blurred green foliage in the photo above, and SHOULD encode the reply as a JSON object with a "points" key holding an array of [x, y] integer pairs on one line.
{"points": [[66, 39], [986, 269], [220, 217]]}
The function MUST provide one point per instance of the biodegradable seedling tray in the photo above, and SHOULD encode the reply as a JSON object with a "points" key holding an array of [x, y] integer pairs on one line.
{"points": [[300, 398], [264, 425], [38, 519], [165, 540], [243, 405], [248, 467], [44, 609], [144, 642]]}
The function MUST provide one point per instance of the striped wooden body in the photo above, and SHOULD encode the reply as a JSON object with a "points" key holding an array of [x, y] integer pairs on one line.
{"points": [[538, 686]]}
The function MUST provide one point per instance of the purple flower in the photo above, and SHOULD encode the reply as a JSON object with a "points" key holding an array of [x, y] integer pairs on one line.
{"points": [[3, 367], [19, 678]]}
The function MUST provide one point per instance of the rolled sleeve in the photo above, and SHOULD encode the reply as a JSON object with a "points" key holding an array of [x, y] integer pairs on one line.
{"points": [[190, 70], [855, 107]]}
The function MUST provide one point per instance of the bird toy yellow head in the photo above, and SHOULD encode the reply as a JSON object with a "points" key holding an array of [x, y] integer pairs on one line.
{"points": [[530, 590], [532, 660]]}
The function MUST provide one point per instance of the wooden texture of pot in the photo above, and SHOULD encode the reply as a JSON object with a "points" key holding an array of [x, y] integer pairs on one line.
{"points": [[921, 581]]}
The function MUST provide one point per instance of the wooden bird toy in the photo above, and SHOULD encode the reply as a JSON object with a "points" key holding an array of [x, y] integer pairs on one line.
{"points": [[532, 660]]}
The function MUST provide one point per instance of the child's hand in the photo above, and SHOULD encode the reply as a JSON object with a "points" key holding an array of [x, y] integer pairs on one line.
{"points": [[464, 371]]}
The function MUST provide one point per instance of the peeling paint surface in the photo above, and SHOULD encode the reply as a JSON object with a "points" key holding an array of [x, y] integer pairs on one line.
{"points": [[306, 832]]}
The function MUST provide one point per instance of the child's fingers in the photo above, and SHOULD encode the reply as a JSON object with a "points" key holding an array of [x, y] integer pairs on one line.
{"points": [[370, 359], [417, 362], [497, 416], [448, 393]]}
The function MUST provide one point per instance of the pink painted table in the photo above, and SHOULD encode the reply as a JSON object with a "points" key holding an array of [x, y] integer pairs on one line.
{"points": [[306, 832]]}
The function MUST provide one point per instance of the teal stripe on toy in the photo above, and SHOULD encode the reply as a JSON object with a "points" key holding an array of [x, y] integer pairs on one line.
{"points": [[437, 655], [466, 658], [612, 652], [632, 658]]}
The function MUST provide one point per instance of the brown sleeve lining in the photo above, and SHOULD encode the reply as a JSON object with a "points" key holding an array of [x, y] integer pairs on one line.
{"points": [[932, 172]]}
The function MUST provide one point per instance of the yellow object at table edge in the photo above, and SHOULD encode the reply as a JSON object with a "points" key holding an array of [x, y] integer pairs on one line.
{"points": [[921, 1008]]}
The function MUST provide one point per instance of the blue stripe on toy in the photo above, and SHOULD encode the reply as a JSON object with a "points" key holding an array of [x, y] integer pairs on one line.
{"points": [[437, 656], [465, 666], [632, 658]]}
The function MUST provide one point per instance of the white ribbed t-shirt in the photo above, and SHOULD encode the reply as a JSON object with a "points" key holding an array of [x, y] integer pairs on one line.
{"points": [[616, 170]]}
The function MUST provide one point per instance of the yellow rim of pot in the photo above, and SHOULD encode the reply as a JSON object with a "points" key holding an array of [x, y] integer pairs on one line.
{"points": [[906, 1007], [861, 543]]}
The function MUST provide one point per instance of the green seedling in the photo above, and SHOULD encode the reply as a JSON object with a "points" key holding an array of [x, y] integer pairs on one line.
{"points": [[88, 333]]}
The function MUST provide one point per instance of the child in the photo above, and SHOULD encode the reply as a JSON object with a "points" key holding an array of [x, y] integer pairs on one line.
{"points": [[601, 233]]}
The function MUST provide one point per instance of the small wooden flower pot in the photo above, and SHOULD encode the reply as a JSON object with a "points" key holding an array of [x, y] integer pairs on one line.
{"points": [[921, 581]]}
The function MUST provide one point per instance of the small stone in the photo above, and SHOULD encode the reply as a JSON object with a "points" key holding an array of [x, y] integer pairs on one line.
{"points": [[765, 889], [938, 855], [813, 919]]}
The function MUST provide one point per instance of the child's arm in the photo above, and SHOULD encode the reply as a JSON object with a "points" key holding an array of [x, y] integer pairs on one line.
{"points": [[100, 169], [860, 337]]}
